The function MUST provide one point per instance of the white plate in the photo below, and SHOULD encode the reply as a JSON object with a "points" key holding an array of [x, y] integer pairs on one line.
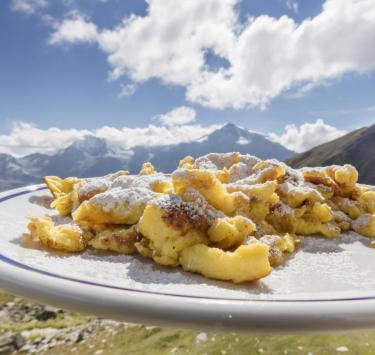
{"points": [[327, 285]]}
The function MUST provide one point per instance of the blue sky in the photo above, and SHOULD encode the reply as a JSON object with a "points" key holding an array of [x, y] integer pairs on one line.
{"points": [[66, 84]]}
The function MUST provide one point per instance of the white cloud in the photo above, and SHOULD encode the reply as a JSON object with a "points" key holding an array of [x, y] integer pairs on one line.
{"points": [[25, 138], [28, 6], [267, 56], [307, 136], [305, 89], [169, 42], [74, 30], [242, 141], [292, 5], [179, 116], [127, 90]]}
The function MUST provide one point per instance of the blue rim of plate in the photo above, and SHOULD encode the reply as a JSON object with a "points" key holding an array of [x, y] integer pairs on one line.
{"points": [[10, 194]]}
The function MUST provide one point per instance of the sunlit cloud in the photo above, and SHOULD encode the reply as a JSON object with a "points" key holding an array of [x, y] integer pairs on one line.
{"points": [[127, 90], [179, 116], [307, 135], [74, 29], [267, 56], [28, 6], [292, 5], [26, 138]]}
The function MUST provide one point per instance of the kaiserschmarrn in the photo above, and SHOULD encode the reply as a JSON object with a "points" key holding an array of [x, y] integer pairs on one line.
{"points": [[226, 216]]}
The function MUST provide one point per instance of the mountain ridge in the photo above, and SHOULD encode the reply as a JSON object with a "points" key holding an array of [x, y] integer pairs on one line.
{"points": [[356, 148], [93, 156]]}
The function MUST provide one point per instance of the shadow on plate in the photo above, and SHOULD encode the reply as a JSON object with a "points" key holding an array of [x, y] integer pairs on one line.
{"points": [[145, 271], [320, 245], [43, 201]]}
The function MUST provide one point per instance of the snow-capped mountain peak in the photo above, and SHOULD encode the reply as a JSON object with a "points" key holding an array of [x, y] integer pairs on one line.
{"points": [[92, 156]]}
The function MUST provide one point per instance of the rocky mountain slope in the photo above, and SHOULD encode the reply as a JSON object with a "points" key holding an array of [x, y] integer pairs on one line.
{"points": [[356, 148], [12, 173]]}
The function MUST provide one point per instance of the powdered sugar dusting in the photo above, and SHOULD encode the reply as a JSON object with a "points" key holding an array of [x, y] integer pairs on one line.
{"points": [[316, 169], [192, 204], [341, 216], [93, 185], [240, 171], [209, 212], [172, 204], [61, 221], [301, 189], [181, 174], [118, 197], [249, 160], [363, 221], [216, 161], [282, 210], [256, 176], [146, 181], [88, 187]]}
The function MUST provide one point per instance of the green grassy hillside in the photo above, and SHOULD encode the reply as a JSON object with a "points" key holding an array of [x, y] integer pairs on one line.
{"points": [[27, 327]]}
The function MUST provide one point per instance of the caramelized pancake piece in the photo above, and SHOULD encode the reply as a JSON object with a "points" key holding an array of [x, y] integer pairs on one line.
{"points": [[85, 190], [64, 204], [322, 211], [318, 176], [246, 263], [147, 169], [118, 239], [310, 224], [264, 228], [367, 199], [365, 225], [264, 171], [352, 208], [345, 176], [288, 220], [171, 225], [63, 237], [263, 192], [217, 161], [208, 185], [143, 247], [244, 168], [156, 182], [283, 218], [230, 232], [228, 167], [295, 195], [115, 206], [186, 163], [71, 192], [261, 198], [342, 179], [210, 213], [60, 187], [278, 246], [88, 188], [342, 220]]}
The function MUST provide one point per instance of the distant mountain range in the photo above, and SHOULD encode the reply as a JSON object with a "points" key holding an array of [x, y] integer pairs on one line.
{"points": [[356, 148], [94, 157]]}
